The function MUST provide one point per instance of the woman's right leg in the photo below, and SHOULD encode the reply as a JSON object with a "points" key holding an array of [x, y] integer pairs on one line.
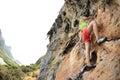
{"points": [[93, 27]]}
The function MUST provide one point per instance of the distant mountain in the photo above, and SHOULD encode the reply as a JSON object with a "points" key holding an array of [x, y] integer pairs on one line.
{"points": [[5, 53]]}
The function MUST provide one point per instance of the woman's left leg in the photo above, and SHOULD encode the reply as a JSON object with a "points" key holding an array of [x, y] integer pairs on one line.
{"points": [[88, 47]]}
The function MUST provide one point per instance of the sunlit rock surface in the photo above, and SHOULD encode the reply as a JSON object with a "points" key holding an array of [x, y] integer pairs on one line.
{"points": [[65, 59]]}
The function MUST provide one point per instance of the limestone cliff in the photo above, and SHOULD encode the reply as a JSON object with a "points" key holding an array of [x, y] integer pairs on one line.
{"points": [[64, 58]]}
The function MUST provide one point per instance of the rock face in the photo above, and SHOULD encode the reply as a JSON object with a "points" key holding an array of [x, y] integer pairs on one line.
{"points": [[65, 59]]}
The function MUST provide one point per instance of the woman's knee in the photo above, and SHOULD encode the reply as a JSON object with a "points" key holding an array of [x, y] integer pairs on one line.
{"points": [[91, 25]]}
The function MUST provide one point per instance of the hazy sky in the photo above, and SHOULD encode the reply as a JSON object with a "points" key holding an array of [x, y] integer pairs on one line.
{"points": [[24, 25]]}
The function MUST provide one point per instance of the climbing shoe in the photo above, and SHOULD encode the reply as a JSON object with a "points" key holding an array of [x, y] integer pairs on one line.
{"points": [[101, 40], [88, 68]]}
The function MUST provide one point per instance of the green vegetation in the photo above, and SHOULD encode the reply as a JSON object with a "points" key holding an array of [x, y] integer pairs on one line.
{"points": [[8, 72], [30, 68], [7, 59], [11, 73]]}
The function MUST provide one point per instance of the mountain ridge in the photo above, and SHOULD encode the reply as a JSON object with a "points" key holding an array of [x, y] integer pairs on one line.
{"points": [[5, 53]]}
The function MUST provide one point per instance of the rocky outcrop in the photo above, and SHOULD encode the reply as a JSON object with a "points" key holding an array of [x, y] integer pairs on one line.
{"points": [[65, 59]]}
